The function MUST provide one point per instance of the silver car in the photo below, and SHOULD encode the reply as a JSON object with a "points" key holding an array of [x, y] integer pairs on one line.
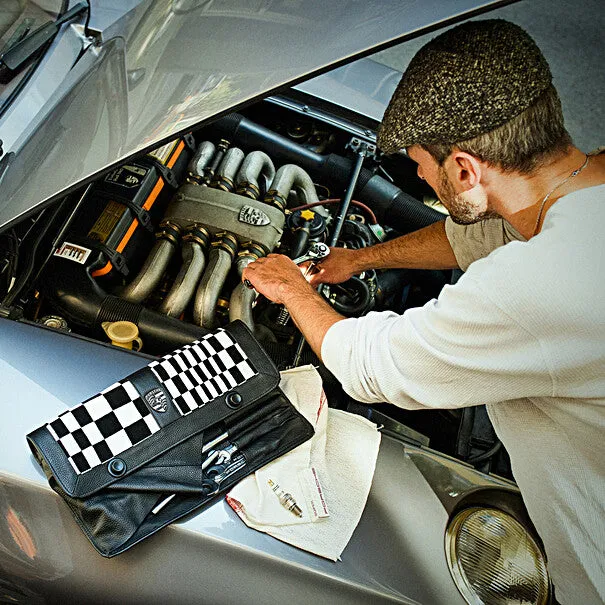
{"points": [[132, 134]]}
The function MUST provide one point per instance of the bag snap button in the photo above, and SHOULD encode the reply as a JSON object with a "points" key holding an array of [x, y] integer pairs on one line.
{"points": [[234, 400], [116, 467]]}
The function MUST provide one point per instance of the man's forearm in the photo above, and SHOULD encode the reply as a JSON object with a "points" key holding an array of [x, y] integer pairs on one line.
{"points": [[312, 315], [427, 248]]}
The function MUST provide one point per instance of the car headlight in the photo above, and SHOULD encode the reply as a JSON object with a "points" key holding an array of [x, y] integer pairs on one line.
{"points": [[494, 560]]}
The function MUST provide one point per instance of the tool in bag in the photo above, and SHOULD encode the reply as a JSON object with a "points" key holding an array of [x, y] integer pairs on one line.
{"points": [[169, 438]]}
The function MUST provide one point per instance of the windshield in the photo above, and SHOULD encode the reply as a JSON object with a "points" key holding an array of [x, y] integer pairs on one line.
{"points": [[18, 19]]}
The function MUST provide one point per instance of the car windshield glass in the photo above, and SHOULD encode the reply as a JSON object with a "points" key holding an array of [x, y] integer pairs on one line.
{"points": [[18, 19]]}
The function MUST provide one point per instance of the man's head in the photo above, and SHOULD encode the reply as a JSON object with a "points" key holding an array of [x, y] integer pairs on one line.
{"points": [[460, 183], [484, 90]]}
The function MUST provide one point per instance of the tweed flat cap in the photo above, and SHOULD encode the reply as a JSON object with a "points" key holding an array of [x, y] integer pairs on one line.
{"points": [[465, 82]]}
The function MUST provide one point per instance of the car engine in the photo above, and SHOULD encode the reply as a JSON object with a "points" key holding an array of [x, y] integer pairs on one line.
{"points": [[162, 240]]}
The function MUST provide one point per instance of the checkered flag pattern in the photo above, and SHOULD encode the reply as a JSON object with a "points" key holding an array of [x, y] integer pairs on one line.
{"points": [[203, 370], [103, 427], [116, 419]]}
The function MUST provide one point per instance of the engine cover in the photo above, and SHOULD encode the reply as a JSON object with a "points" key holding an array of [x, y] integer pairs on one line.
{"points": [[249, 220]]}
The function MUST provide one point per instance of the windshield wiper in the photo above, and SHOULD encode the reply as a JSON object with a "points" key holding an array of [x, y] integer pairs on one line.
{"points": [[12, 60]]}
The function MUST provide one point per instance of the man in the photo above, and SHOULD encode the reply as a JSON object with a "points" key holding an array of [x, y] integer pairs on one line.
{"points": [[523, 330]]}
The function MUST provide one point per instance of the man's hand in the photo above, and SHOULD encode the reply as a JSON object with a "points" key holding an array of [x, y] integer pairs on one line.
{"points": [[336, 268], [277, 277], [427, 248], [281, 281]]}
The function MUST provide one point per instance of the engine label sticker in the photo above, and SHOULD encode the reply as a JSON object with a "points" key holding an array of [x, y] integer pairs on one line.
{"points": [[78, 254], [127, 176], [164, 152], [106, 222], [253, 216]]}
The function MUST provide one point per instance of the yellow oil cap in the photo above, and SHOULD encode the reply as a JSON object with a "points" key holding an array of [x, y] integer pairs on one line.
{"points": [[307, 215]]}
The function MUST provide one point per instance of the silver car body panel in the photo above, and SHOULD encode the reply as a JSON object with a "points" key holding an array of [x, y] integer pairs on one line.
{"points": [[364, 87], [177, 64], [40, 89], [396, 553]]}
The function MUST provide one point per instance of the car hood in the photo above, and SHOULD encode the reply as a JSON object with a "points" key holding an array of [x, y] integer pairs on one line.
{"points": [[162, 68]]}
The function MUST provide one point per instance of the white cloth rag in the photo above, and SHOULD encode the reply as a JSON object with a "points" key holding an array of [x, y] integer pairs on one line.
{"points": [[341, 455]]}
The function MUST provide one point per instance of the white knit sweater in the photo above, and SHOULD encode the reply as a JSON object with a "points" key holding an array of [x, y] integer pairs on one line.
{"points": [[523, 331]]}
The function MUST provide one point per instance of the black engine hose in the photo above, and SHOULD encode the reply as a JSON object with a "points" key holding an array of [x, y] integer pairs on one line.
{"points": [[251, 136], [83, 303], [391, 205], [300, 242], [397, 208], [351, 307]]}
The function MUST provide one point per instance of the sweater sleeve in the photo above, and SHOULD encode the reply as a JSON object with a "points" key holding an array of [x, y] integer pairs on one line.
{"points": [[459, 350]]}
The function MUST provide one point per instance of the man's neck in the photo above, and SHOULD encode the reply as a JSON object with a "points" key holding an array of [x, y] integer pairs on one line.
{"points": [[518, 198]]}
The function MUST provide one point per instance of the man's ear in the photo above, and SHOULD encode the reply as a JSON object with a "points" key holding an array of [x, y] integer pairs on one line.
{"points": [[463, 169]]}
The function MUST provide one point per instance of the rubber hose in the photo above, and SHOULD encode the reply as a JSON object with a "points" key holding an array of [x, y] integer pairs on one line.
{"points": [[83, 303], [300, 241], [358, 307], [397, 208], [486, 455]]}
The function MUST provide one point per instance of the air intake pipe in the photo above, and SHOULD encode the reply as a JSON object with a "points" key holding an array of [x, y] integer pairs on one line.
{"points": [[222, 253], [390, 204], [290, 177], [195, 242], [225, 175], [78, 298], [256, 164], [155, 265], [201, 159], [242, 298]]}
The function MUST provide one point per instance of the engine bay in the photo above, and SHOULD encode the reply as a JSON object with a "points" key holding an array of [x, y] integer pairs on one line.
{"points": [[162, 240]]}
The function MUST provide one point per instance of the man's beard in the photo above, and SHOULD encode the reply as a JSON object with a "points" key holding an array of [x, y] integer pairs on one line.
{"points": [[465, 207]]}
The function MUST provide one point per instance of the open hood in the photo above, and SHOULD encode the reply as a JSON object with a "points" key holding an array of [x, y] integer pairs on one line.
{"points": [[162, 68]]}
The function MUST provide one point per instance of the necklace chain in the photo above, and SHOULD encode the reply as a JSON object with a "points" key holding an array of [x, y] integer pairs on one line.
{"points": [[570, 176]]}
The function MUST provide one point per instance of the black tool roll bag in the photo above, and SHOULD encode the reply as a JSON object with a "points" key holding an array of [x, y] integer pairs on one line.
{"points": [[169, 438]]}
